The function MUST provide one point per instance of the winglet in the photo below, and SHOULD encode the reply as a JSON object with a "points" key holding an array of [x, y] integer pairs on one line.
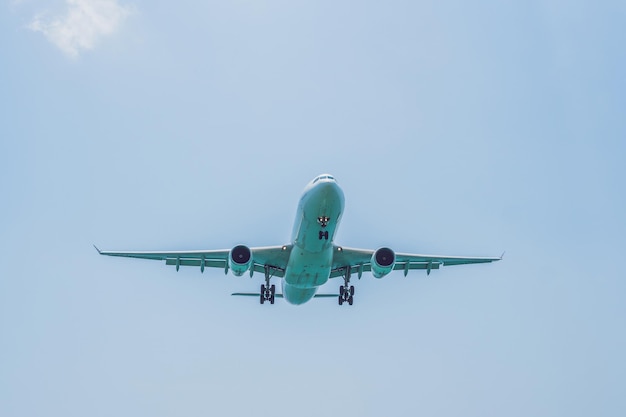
{"points": [[99, 251], [502, 256]]}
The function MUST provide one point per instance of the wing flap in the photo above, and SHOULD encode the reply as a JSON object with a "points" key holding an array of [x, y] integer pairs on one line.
{"points": [[399, 266], [209, 263]]}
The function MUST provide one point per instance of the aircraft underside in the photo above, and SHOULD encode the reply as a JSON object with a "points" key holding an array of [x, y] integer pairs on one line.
{"points": [[311, 259]]}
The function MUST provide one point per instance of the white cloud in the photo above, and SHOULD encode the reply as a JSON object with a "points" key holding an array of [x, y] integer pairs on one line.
{"points": [[84, 22]]}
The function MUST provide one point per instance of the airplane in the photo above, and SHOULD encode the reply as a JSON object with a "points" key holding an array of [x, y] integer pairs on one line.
{"points": [[312, 258]]}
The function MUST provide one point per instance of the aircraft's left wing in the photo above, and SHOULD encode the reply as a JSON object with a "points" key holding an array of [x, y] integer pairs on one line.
{"points": [[273, 258], [360, 260]]}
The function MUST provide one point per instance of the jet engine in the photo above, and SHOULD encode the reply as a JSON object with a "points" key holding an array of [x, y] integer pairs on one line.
{"points": [[383, 261], [240, 259]]}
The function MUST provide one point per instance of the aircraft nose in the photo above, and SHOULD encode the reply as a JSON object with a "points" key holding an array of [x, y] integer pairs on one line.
{"points": [[325, 185], [331, 189], [328, 185]]}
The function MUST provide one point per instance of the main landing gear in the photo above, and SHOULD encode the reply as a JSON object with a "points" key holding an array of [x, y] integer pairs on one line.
{"points": [[346, 291], [268, 292]]}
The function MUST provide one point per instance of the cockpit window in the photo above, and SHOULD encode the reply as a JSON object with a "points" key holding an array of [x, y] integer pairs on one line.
{"points": [[323, 177]]}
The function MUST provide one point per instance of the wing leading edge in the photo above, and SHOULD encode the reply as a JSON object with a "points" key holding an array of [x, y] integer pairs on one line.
{"points": [[272, 258], [360, 260]]}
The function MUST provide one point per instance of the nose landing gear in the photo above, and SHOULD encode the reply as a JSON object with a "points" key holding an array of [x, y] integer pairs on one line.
{"points": [[323, 234], [323, 221]]}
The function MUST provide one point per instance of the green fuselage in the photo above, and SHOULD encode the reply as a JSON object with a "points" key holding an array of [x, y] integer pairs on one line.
{"points": [[317, 219]]}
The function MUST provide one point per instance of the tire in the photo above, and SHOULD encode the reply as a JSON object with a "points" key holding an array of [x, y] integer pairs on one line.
{"points": [[350, 300], [340, 300], [351, 290], [262, 293], [342, 290], [273, 290]]}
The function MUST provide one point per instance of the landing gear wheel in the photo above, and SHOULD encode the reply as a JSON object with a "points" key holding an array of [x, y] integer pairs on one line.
{"points": [[346, 291], [268, 292]]}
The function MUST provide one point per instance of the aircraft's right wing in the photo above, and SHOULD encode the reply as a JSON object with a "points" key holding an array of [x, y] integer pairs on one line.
{"points": [[274, 258], [360, 260]]}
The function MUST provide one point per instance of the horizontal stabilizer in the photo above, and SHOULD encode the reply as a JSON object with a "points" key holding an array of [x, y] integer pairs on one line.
{"points": [[253, 294], [256, 294]]}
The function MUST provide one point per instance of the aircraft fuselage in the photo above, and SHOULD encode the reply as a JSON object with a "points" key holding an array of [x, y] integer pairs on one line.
{"points": [[317, 219], [311, 258]]}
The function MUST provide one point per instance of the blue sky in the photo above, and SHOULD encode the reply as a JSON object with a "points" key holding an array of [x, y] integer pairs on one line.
{"points": [[452, 127]]}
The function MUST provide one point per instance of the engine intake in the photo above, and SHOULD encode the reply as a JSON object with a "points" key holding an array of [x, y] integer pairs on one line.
{"points": [[383, 261], [240, 259]]}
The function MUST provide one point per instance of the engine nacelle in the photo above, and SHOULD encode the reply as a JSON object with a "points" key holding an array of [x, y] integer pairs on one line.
{"points": [[240, 259], [383, 261]]}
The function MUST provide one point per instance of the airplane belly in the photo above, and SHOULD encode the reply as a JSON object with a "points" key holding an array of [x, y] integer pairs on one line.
{"points": [[296, 295], [310, 260], [308, 269]]}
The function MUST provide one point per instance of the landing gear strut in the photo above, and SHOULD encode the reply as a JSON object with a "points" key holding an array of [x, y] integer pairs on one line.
{"points": [[346, 291], [268, 292]]}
